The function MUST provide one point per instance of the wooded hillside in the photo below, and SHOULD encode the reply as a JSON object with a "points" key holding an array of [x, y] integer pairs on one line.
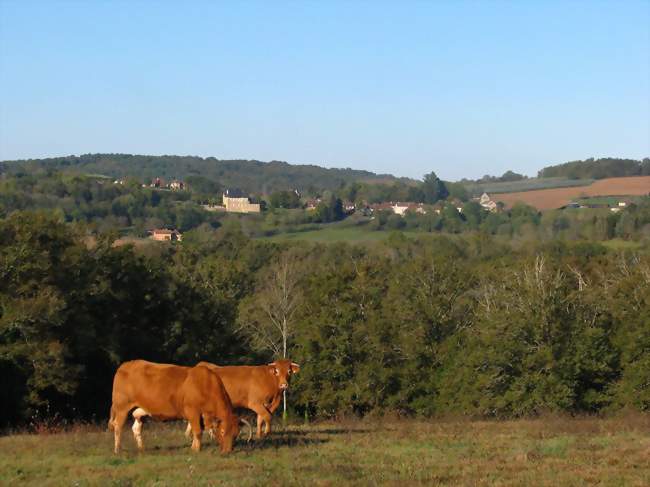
{"points": [[598, 169], [251, 176]]}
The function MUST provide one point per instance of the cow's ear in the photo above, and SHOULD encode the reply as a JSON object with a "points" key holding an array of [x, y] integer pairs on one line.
{"points": [[295, 368], [272, 368]]}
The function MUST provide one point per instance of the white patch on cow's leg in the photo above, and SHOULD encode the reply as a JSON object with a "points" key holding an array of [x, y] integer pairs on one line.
{"points": [[138, 414], [137, 433], [188, 430]]}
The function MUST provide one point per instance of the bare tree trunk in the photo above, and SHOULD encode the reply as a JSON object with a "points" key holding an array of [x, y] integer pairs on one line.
{"points": [[284, 355], [268, 317]]}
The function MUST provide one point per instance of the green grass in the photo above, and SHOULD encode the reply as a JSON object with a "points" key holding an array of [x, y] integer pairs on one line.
{"points": [[606, 200], [618, 244], [545, 452], [531, 184]]}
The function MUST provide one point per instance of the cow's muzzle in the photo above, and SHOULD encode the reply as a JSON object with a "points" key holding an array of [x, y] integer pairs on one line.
{"points": [[284, 387]]}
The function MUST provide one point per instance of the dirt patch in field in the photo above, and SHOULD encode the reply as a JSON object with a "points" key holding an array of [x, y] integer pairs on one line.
{"points": [[549, 199]]}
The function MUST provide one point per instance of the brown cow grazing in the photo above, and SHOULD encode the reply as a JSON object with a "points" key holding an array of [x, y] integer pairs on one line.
{"points": [[255, 387], [166, 391]]}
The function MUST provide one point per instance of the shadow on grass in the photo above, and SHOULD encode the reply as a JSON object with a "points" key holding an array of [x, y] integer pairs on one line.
{"points": [[274, 441], [328, 431], [281, 439]]}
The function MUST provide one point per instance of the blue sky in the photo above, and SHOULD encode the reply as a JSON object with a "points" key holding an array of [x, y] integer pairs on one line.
{"points": [[461, 88]]}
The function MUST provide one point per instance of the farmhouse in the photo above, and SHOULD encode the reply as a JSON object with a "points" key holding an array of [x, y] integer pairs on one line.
{"points": [[401, 208], [311, 204], [177, 185], [381, 207], [236, 201], [486, 202], [164, 234]]}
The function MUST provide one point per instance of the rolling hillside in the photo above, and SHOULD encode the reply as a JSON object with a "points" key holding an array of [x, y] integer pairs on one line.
{"points": [[528, 184], [548, 199], [252, 176]]}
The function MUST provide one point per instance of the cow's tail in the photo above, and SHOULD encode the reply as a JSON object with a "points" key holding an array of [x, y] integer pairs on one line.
{"points": [[111, 420]]}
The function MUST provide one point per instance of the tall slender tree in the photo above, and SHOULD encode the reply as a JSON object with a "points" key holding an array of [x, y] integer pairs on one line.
{"points": [[267, 317]]}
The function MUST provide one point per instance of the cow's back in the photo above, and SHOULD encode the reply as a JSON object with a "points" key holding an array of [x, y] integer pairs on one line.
{"points": [[245, 383], [204, 388], [153, 387]]}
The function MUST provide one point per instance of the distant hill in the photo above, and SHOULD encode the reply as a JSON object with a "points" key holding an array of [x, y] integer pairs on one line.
{"points": [[252, 176], [598, 169]]}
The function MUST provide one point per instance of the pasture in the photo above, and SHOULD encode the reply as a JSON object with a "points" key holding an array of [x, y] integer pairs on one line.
{"points": [[550, 451], [530, 184], [548, 199]]}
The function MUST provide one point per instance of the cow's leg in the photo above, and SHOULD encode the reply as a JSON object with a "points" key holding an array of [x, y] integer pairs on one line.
{"points": [[138, 414], [267, 421], [195, 424], [188, 430], [209, 424], [263, 418], [118, 424]]}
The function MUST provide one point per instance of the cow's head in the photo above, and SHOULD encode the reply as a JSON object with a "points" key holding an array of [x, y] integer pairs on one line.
{"points": [[227, 430], [282, 370]]}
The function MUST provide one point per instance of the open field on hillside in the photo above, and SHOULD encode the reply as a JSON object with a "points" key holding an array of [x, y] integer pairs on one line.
{"points": [[551, 452], [476, 189], [548, 199]]}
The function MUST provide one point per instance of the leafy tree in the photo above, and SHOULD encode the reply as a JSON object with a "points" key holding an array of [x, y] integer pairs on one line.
{"points": [[285, 199], [433, 188]]}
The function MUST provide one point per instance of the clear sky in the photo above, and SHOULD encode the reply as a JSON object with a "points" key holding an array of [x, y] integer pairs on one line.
{"points": [[461, 88]]}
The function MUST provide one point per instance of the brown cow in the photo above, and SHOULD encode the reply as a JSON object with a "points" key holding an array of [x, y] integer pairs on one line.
{"points": [[166, 391], [255, 387]]}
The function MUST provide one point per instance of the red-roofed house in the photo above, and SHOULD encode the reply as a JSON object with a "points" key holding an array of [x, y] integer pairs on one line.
{"points": [[164, 234]]}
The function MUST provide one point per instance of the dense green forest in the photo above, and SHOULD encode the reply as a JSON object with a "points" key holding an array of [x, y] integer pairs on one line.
{"points": [[252, 176], [598, 169], [470, 325]]}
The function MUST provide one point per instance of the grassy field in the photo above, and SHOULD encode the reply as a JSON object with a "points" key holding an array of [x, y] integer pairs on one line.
{"points": [[476, 189], [548, 452], [618, 244]]}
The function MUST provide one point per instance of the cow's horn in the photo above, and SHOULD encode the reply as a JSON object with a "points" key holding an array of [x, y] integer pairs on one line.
{"points": [[293, 363], [250, 429]]}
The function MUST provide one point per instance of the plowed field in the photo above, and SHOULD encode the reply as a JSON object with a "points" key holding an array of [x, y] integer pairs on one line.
{"points": [[548, 199]]}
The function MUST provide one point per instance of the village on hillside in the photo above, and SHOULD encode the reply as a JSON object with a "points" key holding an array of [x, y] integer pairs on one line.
{"points": [[237, 201]]}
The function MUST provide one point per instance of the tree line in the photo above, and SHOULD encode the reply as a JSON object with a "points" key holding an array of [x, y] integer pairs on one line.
{"points": [[607, 167], [251, 175], [440, 324]]}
